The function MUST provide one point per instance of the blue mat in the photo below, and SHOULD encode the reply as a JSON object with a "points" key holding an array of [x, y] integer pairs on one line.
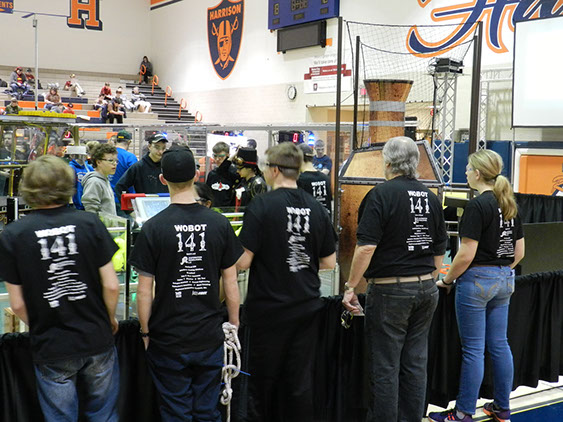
{"points": [[552, 412]]}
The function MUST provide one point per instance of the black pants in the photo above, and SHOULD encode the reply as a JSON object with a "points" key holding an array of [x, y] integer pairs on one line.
{"points": [[117, 117], [146, 77], [281, 371]]}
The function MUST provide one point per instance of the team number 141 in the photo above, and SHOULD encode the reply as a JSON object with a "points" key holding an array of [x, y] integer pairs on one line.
{"points": [[418, 206], [190, 243]]}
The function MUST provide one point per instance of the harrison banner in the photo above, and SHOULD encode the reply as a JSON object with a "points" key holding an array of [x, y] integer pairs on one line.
{"points": [[224, 34], [495, 14]]}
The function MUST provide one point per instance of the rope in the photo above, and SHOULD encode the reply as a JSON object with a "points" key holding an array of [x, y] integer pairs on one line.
{"points": [[231, 364]]}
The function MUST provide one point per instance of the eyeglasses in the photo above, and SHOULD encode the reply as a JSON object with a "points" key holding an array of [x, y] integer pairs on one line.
{"points": [[109, 161], [219, 155]]}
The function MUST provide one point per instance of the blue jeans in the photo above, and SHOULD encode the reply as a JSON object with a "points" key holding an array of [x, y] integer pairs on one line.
{"points": [[97, 376], [481, 302], [398, 318], [189, 384]]}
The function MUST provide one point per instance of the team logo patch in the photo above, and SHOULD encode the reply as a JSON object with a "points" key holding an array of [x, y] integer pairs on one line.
{"points": [[220, 186], [224, 34]]}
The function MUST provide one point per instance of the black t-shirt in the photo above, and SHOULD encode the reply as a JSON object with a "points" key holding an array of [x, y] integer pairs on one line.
{"points": [[406, 222], [318, 185], [185, 246], [288, 231], [55, 255], [482, 221], [222, 180]]}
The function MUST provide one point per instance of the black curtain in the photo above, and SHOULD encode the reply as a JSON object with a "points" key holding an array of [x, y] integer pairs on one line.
{"points": [[539, 208], [535, 334]]}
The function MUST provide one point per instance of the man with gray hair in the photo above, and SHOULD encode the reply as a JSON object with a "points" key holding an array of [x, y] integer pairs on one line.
{"points": [[401, 243]]}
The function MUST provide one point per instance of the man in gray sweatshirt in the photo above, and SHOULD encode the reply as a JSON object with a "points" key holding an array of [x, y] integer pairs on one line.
{"points": [[98, 195]]}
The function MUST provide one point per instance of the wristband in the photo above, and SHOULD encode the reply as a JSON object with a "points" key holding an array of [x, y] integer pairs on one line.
{"points": [[347, 287], [143, 335], [447, 284]]}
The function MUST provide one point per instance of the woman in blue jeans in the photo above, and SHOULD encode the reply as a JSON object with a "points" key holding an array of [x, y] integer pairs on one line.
{"points": [[492, 243]]}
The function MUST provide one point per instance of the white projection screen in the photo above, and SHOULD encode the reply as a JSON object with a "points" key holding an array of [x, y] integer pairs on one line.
{"points": [[537, 96]]}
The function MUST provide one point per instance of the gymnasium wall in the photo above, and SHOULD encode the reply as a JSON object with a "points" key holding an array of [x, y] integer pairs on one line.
{"points": [[117, 48]]}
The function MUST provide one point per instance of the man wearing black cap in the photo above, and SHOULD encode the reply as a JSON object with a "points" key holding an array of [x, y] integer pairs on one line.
{"points": [[144, 175], [252, 183], [185, 249], [287, 237], [125, 159], [314, 181]]}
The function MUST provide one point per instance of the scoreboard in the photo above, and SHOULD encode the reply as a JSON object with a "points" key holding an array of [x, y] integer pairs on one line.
{"points": [[282, 13]]}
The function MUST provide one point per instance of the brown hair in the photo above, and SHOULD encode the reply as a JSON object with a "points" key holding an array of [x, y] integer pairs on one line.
{"points": [[490, 165], [287, 157], [220, 147], [98, 152], [47, 181]]}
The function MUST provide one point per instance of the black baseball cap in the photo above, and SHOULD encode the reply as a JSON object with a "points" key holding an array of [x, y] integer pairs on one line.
{"points": [[157, 137], [178, 165], [306, 149]]}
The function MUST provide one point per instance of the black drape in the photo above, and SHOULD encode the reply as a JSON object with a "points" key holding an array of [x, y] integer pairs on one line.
{"points": [[535, 334], [539, 208]]}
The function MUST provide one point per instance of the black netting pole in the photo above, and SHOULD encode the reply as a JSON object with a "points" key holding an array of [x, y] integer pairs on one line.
{"points": [[336, 167], [475, 89], [356, 83]]}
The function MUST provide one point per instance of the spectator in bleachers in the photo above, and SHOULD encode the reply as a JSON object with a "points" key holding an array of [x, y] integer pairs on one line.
{"points": [[129, 106], [148, 70], [53, 100], [30, 79], [13, 107], [74, 87], [68, 109], [18, 83], [106, 91], [78, 155], [116, 111], [100, 102], [139, 101]]}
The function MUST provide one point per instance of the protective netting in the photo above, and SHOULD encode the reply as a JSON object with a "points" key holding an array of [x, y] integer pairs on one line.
{"points": [[405, 52]]}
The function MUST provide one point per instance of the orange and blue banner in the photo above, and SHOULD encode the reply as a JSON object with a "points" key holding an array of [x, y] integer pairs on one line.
{"points": [[493, 13], [6, 6]]}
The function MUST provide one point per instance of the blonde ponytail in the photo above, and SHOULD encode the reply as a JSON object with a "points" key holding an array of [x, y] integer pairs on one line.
{"points": [[505, 197], [490, 165]]}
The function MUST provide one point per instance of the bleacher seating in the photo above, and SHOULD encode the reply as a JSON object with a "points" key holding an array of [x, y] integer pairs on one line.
{"points": [[92, 83]]}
